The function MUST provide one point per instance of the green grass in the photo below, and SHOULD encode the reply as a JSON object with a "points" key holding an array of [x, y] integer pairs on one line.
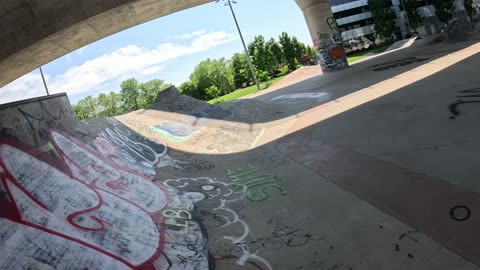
{"points": [[243, 92], [352, 59], [355, 57]]}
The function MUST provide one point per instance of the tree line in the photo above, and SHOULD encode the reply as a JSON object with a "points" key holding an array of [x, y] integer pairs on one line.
{"points": [[133, 96], [213, 78], [210, 79]]}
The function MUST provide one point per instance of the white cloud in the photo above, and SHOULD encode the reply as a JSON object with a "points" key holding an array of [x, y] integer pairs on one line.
{"points": [[187, 36], [152, 70], [130, 61], [105, 70], [27, 86]]}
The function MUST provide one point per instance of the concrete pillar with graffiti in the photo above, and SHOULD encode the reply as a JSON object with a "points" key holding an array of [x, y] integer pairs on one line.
{"points": [[324, 32]]}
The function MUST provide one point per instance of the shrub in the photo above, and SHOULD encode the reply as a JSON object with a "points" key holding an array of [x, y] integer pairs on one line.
{"points": [[190, 89], [283, 71], [213, 92], [263, 76]]}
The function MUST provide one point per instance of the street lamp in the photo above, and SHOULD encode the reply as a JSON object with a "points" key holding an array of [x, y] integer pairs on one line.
{"points": [[43, 79], [229, 3]]}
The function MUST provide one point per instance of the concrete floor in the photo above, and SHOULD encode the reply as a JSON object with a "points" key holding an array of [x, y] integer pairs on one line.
{"points": [[370, 157], [353, 170], [412, 127]]}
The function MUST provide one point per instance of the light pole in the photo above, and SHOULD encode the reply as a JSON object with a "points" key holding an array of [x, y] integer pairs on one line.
{"points": [[228, 3], [43, 79]]}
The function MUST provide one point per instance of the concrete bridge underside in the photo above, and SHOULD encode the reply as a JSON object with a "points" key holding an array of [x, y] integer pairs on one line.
{"points": [[35, 32]]}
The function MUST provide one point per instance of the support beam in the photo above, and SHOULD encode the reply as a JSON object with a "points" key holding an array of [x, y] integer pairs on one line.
{"points": [[324, 32]]}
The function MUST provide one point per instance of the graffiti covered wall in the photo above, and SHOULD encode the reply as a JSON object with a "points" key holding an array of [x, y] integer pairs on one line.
{"points": [[325, 34], [86, 195], [332, 55]]}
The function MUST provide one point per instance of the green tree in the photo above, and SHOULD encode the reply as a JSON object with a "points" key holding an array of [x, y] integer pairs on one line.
{"points": [[444, 10], [384, 17], [415, 19], [242, 76], [95, 107], [200, 78], [149, 92], [79, 110], [263, 76], [115, 105], [212, 72], [299, 49], [312, 52], [103, 105], [275, 56], [87, 108], [258, 53], [130, 94], [190, 89], [221, 75], [213, 92], [133, 96], [288, 50]]}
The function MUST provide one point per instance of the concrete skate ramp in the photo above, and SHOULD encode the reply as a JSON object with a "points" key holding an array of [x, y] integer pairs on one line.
{"points": [[188, 185]]}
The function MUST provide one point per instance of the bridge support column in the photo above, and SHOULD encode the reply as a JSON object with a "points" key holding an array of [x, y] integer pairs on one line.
{"points": [[324, 32]]}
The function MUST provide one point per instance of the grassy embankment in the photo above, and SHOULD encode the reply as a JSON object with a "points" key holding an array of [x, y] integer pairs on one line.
{"points": [[245, 91]]}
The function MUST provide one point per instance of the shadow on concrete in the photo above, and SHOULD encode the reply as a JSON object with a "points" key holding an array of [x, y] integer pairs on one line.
{"points": [[271, 207], [296, 98]]}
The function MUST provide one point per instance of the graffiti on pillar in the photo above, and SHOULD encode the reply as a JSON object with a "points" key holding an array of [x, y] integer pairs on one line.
{"points": [[337, 37], [331, 53], [333, 56], [332, 23], [323, 36], [329, 45]]}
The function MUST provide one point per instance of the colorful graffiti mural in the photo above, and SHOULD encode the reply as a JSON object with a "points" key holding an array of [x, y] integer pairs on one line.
{"points": [[175, 131], [102, 211], [332, 56], [331, 52], [110, 214], [256, 181], [183, 129]]}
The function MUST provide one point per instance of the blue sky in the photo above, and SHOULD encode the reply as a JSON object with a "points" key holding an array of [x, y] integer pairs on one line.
{"points": [[167, 48]]}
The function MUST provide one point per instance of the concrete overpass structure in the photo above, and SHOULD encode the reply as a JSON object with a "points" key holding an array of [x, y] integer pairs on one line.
{"points": [[324, 32], [37, 32]]}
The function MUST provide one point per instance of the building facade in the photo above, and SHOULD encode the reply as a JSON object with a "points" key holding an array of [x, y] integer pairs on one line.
{"points": [[356, 22]]}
